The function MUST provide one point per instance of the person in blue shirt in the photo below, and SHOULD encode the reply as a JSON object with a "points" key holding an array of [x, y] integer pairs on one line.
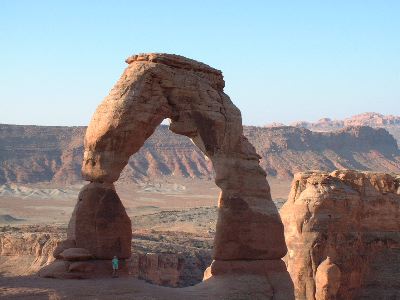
{"points": [[114, 262]]}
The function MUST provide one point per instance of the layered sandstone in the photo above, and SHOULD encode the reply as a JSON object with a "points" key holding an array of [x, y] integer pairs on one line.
{"points": [[342, 230], [24, 253], [288, 150], [40, 154]]}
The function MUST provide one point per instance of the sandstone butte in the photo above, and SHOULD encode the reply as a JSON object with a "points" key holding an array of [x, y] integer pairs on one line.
{"points": [[249, 237], [342, 230]]}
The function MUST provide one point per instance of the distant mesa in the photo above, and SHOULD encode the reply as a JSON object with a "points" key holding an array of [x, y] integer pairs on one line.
{"points": [[42, 154], [389, 122]]}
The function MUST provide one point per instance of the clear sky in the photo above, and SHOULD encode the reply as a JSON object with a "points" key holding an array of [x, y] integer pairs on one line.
{"points": [[282, 60]]}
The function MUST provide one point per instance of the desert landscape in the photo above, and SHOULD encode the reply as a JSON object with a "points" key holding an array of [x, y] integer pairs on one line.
{"points": [[213, 150], [165, 215]]}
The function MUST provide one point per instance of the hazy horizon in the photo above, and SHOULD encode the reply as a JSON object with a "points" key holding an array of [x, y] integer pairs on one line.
{"points": [[165, 122], [282, 62]]}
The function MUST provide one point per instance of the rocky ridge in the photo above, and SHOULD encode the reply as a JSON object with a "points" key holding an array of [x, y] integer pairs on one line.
{"points": [[389, 122], [40, 154]]}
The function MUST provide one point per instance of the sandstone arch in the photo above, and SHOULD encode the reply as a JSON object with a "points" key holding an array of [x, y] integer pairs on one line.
{"points": [[158, 86]]}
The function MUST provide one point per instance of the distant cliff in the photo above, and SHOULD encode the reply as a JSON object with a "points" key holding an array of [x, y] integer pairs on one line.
{"points": [[371, 119], [288, 150], [32, 154]]}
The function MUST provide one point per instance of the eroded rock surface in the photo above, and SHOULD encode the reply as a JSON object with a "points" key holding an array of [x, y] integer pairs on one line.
{"points": [[342, 231], [24, 250], [23, 253], [100, 223], [158, 86]]}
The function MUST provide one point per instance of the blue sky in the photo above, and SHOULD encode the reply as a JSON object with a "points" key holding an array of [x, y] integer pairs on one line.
{"points": [[282, 60]]}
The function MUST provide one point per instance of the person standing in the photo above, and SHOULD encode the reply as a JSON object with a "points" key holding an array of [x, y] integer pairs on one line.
{"points": [[114, 262]]}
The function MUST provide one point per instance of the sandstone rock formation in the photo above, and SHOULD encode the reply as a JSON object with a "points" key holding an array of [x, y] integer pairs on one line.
{"points": [[24, 253], [190, 94], [26, 249], [289, 150], [30, 154], [327, 280], [342, 230], [159, 86], [100, 223]]}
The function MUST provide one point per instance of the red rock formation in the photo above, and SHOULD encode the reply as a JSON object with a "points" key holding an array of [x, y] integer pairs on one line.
{"points": [[100, 223], [159, 86], [25, 253], [25, 250], [342, 231]]}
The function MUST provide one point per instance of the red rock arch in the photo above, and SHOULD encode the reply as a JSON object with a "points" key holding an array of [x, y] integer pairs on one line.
{"points": [[249, 235], [158, 86]]}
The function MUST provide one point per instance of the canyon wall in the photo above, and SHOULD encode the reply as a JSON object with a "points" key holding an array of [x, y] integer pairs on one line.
{"points": [[37, 154]]}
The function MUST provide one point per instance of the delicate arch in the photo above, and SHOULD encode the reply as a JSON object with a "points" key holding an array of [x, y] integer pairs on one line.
{"points": [[158, 86]]}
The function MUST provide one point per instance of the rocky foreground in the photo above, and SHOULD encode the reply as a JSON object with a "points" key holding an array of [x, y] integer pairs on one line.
{"points": [[342, 230], [168, 258]]}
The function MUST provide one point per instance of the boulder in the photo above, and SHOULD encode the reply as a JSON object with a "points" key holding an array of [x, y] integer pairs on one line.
{"points": [[81, 266], [63, 245], [278, 285], [327, 280], [56, 269], [76, 254]]}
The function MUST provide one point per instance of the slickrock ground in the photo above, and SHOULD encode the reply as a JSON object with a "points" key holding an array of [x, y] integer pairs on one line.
{"points": [[342, 230]]}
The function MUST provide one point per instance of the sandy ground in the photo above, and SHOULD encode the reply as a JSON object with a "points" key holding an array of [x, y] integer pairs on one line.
{"points": [[143, 199], [165, 216]]}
